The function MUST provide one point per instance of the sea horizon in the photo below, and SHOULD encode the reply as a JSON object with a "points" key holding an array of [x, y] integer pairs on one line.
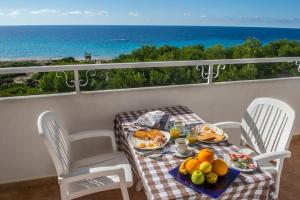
{"points": [[47, 42], [167, 25]]}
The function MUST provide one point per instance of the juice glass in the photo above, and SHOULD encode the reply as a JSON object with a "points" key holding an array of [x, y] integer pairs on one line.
{"points": [[174, 132], [191, 137]]}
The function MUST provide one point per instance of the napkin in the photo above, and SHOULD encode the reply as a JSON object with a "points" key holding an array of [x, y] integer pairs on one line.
{"points": [[155, 119]]}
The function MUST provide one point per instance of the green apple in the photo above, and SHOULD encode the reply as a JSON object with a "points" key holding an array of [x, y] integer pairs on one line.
{"points": [[211, 177], [205, 167], [198, 177]]}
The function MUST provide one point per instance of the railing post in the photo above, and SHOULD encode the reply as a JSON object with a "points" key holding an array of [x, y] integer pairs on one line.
{"points": [[210, 74], [76, 79]]}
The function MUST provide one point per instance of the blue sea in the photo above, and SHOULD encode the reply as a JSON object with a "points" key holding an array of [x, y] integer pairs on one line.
{"points": [[47, 42]]}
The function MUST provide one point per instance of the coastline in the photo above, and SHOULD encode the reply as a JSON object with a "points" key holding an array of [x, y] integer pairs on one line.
{"points": [[47, 60]]}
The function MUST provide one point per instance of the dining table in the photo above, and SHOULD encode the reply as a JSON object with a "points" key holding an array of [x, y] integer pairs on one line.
{"points": [[158, 184]]}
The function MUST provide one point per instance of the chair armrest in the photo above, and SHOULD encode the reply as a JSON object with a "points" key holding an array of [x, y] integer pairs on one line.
{"points": [[97, 173], [266, 157], [94, 133], [228, 124]]}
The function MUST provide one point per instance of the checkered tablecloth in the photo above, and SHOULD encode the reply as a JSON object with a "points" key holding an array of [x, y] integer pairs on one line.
{"points": [[157, 182]]}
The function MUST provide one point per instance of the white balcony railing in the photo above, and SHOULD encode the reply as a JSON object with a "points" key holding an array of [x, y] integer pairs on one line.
{"points": [[210, 69]]}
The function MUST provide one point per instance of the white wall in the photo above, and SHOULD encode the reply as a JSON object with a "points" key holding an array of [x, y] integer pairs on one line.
{"points": [[23, 155]]}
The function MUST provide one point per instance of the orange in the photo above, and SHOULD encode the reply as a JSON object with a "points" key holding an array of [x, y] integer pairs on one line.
{"points": [[220, 167], [197, 165], [191, 166], [206, 155]]}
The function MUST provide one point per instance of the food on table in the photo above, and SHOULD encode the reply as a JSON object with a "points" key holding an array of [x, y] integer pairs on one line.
{"points": [[140, 134], [191, 138], [220, 167], [154, 133], [141, 145], [242, 161], [192, 165], [182, 168], [206, 155], [205, 167], [219, 137], [174, 132], [189, 165], [206, 133], [211, 177], [198, 177], [197, 166], [205, 136], [149, 139], [150, 144]]}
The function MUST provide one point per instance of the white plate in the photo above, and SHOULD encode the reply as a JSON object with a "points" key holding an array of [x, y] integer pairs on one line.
{"points": [[218, 131], [232, 165], [134, 141]]}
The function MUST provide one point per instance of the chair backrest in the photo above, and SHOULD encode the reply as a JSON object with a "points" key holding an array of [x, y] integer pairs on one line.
{"points": [[267, 125], [55, 137]]}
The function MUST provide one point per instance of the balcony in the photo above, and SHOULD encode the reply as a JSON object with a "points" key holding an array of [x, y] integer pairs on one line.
{"points": [[24, 156]]}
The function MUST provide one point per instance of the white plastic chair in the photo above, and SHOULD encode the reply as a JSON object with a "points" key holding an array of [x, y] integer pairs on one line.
{"points": [[267, 128], [90, 175]]}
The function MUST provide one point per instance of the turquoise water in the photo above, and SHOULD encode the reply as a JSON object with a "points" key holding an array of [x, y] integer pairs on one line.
{"points": [[43, 42]]}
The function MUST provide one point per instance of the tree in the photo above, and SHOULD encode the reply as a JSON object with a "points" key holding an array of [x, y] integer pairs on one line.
{"points": [[215, 52], [142, 77]]}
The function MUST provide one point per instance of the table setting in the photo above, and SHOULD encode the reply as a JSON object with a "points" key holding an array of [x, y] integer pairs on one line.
{"points": [[177, 155]]}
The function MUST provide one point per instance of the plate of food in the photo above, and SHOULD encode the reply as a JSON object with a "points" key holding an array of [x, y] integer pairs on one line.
{"points": [[241, 162], [209, 133], [149, 140]]}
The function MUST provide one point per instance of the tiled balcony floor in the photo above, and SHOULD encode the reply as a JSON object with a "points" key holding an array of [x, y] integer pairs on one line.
{"points": [[288, 190]]}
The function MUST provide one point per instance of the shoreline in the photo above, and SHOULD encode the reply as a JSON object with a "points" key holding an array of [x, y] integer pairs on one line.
{"points": [[45, 60]]}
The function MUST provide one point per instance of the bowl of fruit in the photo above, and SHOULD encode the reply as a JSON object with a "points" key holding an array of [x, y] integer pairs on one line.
{"points": [[205, 173]]}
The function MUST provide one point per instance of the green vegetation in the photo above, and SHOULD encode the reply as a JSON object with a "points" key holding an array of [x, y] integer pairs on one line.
{"points": [[43, 83]]}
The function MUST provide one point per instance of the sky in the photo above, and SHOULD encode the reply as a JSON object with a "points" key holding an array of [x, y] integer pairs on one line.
{"points": [[258, 13]]}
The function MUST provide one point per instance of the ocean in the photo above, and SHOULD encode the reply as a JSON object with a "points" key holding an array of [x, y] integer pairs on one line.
{"points": [[48, 42]]}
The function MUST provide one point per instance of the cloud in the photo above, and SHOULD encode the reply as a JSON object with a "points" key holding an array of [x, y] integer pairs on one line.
{"points": [[14, 13], [253, 21], [262, 20], [134, 14], [87, 13], [44, 12], [74, 12], [99, 13], [203, 16], [187, 14], [103, 13]]}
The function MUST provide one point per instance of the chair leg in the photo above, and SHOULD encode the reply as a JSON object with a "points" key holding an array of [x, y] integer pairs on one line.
{"points": [[139, 186], [63, 192], [124, 192], [123, 185]]}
